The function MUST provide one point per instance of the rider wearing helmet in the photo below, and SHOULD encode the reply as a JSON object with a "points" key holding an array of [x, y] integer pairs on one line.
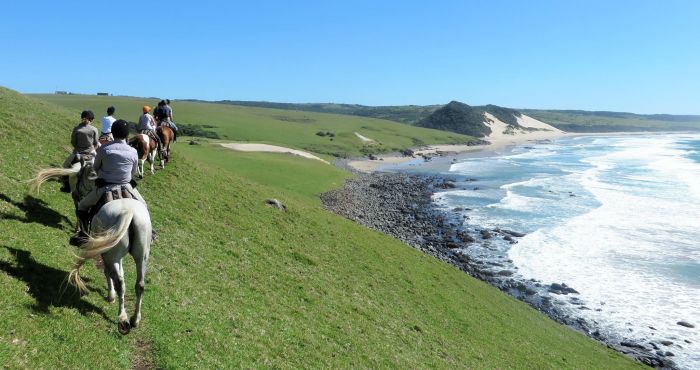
{"points": [[115, 163], [84, 140], [147, 125], [169, 113]]}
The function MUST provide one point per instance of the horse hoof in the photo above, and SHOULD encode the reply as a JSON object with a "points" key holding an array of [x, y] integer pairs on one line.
{"points": [[124, 327], [134, 323]]}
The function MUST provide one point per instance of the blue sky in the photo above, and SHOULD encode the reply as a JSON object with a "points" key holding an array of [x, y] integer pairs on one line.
{"points": [[638, 56]]}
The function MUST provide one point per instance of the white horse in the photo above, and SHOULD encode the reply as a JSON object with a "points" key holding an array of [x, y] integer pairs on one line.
{"points": [[121, 226]]}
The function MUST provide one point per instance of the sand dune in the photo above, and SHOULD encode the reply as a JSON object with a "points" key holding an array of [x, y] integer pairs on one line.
{"points": [[253, 147]]}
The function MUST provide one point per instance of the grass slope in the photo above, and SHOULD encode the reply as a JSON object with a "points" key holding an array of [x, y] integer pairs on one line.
{"points": [[233, 283], [587, 121], [275, 126]]}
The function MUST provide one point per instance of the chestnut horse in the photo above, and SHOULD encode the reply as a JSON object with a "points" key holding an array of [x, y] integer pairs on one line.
{"points": [[146, 149], [166, 136]]}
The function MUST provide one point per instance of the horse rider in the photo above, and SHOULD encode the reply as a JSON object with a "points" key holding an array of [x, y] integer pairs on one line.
{"points": [[163, 113], [147, 125], [107, 122], [85, 140], [115, 163], [169, 112]]}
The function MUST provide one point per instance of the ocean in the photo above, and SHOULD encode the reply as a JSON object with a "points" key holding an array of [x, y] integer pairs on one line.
{"points": [[615, 217]]}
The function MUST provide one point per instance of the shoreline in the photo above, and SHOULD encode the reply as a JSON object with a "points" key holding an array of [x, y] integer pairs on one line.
{"points": [[400, 204], [487, 146]]}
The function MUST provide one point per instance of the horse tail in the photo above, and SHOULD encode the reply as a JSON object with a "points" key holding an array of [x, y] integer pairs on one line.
{"points": [[98, 244], [43, 175]]}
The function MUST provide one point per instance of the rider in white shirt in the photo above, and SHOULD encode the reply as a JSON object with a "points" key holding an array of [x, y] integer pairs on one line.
{"points": [[107, 122]]}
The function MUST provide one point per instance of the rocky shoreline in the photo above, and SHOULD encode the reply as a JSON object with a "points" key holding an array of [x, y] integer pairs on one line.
{"points": [[401, 205]]}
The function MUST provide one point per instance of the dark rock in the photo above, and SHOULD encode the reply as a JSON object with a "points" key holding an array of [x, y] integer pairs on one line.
{"points": [[561, 289], [627, 343], [505, 273], [686, 324], [465, 237], [485, 234], [457, 209], [407, 153], [476, 188], [669, 354], [512, 233], [372, 157]]}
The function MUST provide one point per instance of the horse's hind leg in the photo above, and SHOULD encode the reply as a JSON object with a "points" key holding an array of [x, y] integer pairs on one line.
{"points": [[141, 258], [111, 293], [141, 162], [114, 270], [151, 159]]}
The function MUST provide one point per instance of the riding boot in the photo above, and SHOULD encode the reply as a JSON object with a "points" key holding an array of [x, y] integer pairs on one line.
{"points": [[82, 236], [65, 185]]}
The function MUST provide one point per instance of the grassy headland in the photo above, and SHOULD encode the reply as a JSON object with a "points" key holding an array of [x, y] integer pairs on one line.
{"points": [[233, 283], [567, 120], [588, 121], [293, 129]]}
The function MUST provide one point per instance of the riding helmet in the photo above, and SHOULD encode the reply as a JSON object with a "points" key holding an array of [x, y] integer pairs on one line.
{"points": [[120, 129]]}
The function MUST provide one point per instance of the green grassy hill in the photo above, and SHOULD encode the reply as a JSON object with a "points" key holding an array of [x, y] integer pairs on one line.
{"points": [[233, 283], [275, 126], [588, 121], [567, 120]]}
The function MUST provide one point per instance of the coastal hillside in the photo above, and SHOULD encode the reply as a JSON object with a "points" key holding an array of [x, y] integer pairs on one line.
{"points": [[490, 121], [234, 283], [458, 117], [331, 135], [565, 120], [590, 121]]}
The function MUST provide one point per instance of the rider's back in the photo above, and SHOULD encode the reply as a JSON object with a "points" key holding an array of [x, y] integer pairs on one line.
{"points": [[84, 138], [115, 162]]}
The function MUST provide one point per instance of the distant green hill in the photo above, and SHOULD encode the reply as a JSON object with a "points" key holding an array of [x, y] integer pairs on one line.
{"points": [[567, 120], [458, 117], [601, 121], [400, 113], [233, 283]]}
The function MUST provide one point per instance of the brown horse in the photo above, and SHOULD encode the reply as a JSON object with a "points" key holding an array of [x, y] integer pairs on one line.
{"points": [[146, 149], [166, 136]]}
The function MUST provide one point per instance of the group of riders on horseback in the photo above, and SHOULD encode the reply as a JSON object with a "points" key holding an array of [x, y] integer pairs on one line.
{"points": [[113, 218], [112, 158]]}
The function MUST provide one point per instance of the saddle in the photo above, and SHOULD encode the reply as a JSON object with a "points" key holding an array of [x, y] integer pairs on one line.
{"points": [[83, 158], [116, 192], [151, 134], [105, 138]]}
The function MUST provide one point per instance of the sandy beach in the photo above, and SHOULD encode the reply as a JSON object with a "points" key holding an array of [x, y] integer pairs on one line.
{"points": [[499, 138]]}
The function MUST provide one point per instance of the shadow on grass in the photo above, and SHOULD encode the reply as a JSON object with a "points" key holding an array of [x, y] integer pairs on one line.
{"points": [[47, 285], [35, 211]]}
